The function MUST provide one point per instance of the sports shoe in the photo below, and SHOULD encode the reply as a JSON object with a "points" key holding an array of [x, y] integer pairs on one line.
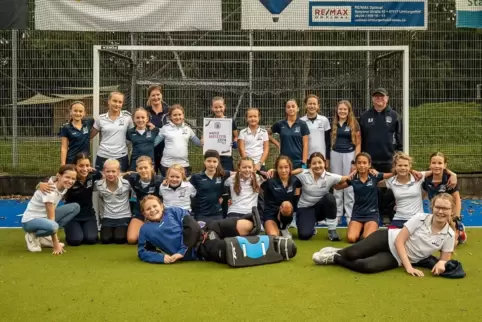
{"points": [[293, 222], [333, 235], [462, 234], [325, 256], [286, 233], [33, 243]]}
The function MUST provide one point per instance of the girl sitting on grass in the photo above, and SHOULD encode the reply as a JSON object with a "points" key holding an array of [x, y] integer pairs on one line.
{"points": [[387, 249], [176, 190], [42, 218]]}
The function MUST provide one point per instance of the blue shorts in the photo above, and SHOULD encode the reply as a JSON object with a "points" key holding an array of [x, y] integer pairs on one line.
{"points": [[364, 219], [284, 223], [109, 222], [397, 224]]}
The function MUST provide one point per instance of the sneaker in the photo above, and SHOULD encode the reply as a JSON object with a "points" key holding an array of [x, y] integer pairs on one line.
{"points": [[33, 243], [333, 235], [293, 223], [286, 233], [325, 256]]}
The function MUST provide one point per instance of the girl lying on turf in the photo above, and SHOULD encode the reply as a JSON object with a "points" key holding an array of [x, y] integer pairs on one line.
{"points": [[176, 190], [387, 249], [171, 234], [42, 218]]}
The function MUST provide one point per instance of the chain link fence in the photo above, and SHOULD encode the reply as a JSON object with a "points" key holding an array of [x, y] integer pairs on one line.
{"points": [[55, 68]]}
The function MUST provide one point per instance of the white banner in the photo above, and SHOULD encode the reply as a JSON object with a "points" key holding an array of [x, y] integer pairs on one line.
{"points": [[334, 14], [128, 15], [218, 135]]}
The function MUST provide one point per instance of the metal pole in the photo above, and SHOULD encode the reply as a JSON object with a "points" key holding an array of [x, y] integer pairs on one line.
{"points": [[251, 64], [14, 98], [367, 81], [96, 98], [134, 73], [406, 99]]}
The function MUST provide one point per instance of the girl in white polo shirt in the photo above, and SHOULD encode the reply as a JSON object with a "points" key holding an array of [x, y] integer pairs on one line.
{"points": [[319, 126], [244, 188], [253, 141], [42, 218], [176, 190], [386, 249], [176, 135], [113, 127]]}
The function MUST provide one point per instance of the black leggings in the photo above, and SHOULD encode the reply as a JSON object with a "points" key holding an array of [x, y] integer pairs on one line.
{"points": [[110, 235], [370, 255], [215, 249]]}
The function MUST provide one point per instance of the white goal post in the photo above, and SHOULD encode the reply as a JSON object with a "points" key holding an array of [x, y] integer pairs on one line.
{"points": [[253, 49]]}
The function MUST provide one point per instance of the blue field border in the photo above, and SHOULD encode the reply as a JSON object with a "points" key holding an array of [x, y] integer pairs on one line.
{"points": [[11, 213]]}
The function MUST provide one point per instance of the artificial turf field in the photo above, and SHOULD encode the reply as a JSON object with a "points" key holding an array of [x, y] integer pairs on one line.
{"points": [[109, 283]]}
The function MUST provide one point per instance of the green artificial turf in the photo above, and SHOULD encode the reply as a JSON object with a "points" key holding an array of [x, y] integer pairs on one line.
{"points": [[109, 283]]}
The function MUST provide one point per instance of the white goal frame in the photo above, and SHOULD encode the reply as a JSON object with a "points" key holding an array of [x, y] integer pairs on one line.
{"points": [[253, 49]]}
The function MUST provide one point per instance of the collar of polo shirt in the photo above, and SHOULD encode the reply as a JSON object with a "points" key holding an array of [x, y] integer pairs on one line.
{"points": [[427, 221], [323, 175], [396, 182]]}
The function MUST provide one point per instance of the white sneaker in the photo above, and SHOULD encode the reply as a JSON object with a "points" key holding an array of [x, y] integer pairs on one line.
{"points": [[33, 243], [325, 256], [286, 233], [293, 223]]}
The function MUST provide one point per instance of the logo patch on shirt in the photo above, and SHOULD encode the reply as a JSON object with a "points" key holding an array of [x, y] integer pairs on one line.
{"points": [[184, 131], [151, 189], [85, 130], [290, 189], [182, 194], [121, 122], [148, 134], [437, 241], [388, 119], [323, 184], [442, 188], [88, 184], [297, 129], [370, 120], [218, 180], [369, 183], [347, 129]]}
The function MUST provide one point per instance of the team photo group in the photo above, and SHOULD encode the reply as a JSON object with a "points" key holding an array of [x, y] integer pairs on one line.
{"points": [[140, 188]]}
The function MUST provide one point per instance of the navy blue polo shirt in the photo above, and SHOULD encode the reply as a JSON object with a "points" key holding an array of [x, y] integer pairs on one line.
{"points": [[81, 193], [208, 193], [434, 189], [343, 142], [159, 120], [366, 196], [141, 191], [79, 140], [291, 138], [275, 193], [142, 144]]}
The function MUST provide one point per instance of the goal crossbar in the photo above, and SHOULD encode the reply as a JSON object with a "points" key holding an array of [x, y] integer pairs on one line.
{"points": [[97, 49]]}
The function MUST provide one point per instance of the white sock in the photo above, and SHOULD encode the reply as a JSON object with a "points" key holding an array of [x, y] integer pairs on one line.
{"points": [[331, 223]]}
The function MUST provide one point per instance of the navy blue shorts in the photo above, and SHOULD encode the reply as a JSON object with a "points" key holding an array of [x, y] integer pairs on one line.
{"points": [[113, 223], [209, 218], [365, 219], [283, 224], [397, 224]]}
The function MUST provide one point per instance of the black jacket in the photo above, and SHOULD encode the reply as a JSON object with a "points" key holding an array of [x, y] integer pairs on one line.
{"points": [[381, 134]]}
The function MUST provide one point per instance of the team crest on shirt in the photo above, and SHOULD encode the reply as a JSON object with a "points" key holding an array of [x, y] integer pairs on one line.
{"points": [[369, 183], [218, 180], [85, 130], [182, 194], [442, 188], [297, 129], [184, 131], [437, 241], [151, 189], [290, 189], [370, 120], [88, 184], [121, 122], [323, 184], [347, 129], [148, 134], [388, 119]]}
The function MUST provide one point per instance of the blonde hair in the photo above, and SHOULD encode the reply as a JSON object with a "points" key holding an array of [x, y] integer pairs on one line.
{"points": [[141, 109], [401, 156], [112, 162], [150, 90], [253, 109], [237, 180], [145, 158], [180, 169], [448, 197], [218, 98], [350, 121], [115, 93]]}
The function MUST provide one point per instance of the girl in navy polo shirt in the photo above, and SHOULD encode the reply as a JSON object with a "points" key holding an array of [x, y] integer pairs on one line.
{"points": [[441, 181], [158, 116], [143, 182], [365, 216], [75, 134], [345, 145], [293, 134], [209, 185]]}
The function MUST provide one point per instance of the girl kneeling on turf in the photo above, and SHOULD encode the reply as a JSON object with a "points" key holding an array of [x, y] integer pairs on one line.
{"points": [[42, 218], [176, 191], [180, 237], [387, 249], [244, 188]]}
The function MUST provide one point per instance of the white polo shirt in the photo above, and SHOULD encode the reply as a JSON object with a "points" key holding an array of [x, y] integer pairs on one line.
{"points": [[316, 141], [176, 140], [115, 205], [408, 197], [247, 198], [312, 191], [422, 242], [113, 142], [254, 142], [36, 206], [179, 197]]}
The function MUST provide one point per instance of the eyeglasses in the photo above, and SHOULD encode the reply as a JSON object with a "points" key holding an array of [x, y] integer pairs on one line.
{"points": [[442, 209]]}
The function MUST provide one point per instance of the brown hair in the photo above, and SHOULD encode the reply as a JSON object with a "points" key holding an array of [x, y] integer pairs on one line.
{"points": [[305, 101], [146, 198], [350, 121], [218, 98], [145, 158], [363, 154], [215, 154], [150, 90], [65, 168], [448, 197], [79, 157], [178, 168], [400, 156], [141, 109], [316, 155], [278, 160], [237, 180], [115, 93], [439, 154], [75, 103], [253, 109], [173, 108]]}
